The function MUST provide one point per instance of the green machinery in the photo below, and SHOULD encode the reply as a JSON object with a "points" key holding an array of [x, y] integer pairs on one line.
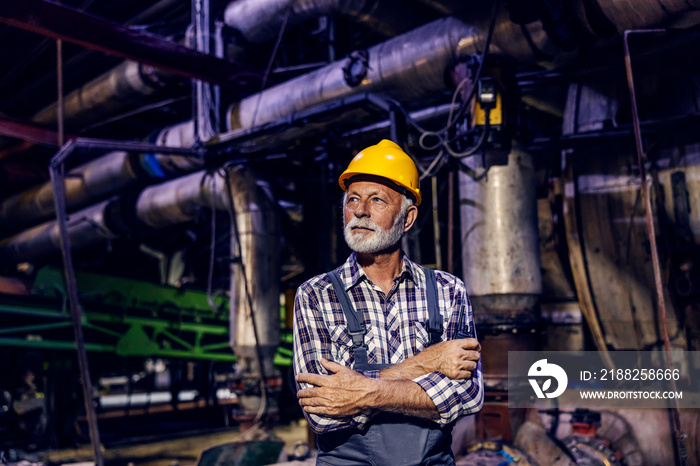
{"points": [[122, 316]]}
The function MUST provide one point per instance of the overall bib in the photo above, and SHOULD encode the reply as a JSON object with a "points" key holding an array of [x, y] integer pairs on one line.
{"points": [[391, 438]]}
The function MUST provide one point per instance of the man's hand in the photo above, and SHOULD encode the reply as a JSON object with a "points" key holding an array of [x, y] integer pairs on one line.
{"points": [[343, 392], [455, 358]]}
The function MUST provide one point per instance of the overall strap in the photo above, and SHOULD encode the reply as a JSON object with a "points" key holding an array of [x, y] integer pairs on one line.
{"points": [[356, 325], [434, 317]]}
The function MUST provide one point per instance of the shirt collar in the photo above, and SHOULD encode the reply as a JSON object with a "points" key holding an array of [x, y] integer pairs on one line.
{"points": [[352, 273]]}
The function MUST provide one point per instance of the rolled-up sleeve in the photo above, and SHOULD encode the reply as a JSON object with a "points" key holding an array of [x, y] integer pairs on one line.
{"points": [[454, 398], [312, 341]]}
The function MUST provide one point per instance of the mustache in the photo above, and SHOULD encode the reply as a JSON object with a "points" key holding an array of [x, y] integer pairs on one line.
{"points": [[362, 223]]}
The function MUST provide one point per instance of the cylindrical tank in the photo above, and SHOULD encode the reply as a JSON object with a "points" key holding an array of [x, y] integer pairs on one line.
{"points": [[500, 248], [500, 257]]}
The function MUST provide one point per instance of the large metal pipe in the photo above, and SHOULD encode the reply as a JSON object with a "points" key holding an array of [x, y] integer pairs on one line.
{"points": [[405, 67], [630, 14], [260, 20], [124, 86], [85, 228], [101, 178]]}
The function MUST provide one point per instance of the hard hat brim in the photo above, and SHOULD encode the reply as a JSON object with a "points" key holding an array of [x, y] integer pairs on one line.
{"points": [[350, 178]]}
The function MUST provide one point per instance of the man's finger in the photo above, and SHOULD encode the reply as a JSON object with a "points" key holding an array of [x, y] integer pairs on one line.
{"points": [[313, 379], [307, 393], [331, 366], [472, 355], [470, 344]]}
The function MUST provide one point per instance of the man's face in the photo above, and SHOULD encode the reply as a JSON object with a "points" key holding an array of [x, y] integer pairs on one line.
{"points": [[372, 215]]}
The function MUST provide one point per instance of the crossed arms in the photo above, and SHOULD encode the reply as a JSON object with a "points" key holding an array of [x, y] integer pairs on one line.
{"points": [[441, 383], [345, 392]]}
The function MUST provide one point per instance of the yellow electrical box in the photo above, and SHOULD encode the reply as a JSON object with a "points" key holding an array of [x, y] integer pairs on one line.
{"points": [[495, 116]]}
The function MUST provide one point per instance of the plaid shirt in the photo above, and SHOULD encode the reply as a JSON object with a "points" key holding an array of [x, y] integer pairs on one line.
{"points": [[396, 330]]}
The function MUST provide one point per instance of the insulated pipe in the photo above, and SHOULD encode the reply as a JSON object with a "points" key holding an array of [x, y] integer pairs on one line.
{"points": [[406, 67], [121, 87], [631, 14], [259, 229], [260, 20], [85, 228], [101, 178]]}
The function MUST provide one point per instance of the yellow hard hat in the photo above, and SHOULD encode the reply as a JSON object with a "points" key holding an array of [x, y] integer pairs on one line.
{"points": [[384, 160]]}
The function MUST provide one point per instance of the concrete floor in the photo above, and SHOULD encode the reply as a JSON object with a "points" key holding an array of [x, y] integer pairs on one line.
{"points": [[176, 452]]}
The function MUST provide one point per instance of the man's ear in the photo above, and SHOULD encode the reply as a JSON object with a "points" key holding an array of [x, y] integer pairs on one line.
{"points": [[411, 216]]}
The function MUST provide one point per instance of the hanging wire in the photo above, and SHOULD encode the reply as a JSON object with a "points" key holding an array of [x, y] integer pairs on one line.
{"points": [[269, 63], [442, 139]]}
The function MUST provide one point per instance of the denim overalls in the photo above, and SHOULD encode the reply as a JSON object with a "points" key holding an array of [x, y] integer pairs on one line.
{"points": [[391, 438]]}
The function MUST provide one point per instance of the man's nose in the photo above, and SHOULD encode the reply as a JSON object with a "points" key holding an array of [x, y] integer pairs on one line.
{"points": [[361, 210]]}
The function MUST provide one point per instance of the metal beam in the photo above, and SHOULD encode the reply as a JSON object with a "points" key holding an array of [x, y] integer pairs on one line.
{"points": [[60, 22], [28, 132]]}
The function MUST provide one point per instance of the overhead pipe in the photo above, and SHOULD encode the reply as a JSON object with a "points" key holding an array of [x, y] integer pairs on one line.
{"points": [[629, 14], [260, 20], [391, 67], [410, 72], [101, 178], [122, 87]]}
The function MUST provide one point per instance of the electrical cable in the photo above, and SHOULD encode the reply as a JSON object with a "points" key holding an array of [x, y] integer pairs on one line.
{"points": [[442, 140], [269, 64]]}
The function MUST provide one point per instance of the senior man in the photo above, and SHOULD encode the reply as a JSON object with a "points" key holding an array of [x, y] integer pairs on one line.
{"points": [[384, 350]]}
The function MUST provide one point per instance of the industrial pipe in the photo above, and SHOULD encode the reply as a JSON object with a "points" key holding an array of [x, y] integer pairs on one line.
{"points": [[121, 87], [260, 20], [391, 67], [101, 178]]}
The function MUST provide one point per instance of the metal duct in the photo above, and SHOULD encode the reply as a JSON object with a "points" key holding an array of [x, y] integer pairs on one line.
{"points": [[101, 178], [259, 229], [122, 87], [631, 14], [260, 20], [500, 247], [85, 228]]}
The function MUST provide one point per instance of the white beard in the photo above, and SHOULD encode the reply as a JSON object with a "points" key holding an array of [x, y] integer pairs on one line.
{"points": [[379, 240]]}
